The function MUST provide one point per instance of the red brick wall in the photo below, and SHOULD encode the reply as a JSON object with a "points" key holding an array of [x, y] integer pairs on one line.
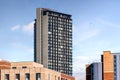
{"points": [[67, 77], [5, 65], [109, 76]]}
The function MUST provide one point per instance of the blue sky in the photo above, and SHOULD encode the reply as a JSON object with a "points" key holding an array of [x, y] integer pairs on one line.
{"points": [[96, 28]]}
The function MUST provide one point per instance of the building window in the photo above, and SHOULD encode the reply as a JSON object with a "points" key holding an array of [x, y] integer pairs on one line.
{"points": [[27, 76], [13, 67], [24, 67], [38, 76], [17, 77], [6, 76]]}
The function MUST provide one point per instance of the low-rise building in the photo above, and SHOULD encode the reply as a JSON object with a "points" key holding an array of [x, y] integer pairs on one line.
{"points": [[29, 71], [108, 69], [94, 71], [111, 65]]}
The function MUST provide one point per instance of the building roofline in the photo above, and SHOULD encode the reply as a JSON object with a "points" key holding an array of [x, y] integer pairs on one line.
{"points": [[47, 9]]}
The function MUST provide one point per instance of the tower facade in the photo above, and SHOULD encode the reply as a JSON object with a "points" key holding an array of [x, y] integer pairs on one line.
{"points": [[53, 40], [116, 66]]}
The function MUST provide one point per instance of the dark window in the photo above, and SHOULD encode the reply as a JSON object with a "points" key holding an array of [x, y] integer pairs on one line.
{"points": [[6, 76], [38, 76], [27, 76], [13, 67], [17, 77], [24, 66]]}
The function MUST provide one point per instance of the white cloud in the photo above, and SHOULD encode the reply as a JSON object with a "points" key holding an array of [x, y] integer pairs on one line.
{"points": [[29, 27], [15, 27], [88, 34], [81, 34], [107, 23], [81, 60], [89, 42], [84, 33]]}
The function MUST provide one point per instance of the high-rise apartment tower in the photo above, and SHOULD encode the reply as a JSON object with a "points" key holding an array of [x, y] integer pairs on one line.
{"points": [[53, 40]]}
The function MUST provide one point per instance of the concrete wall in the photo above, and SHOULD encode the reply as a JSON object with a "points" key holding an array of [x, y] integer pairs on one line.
{"points": [[117, 66], [94, 71], [97, 71], [38, 35], [45, 41]]}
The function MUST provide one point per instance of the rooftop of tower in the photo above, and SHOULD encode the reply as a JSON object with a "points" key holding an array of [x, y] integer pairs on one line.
{"points": [[52, 10]]}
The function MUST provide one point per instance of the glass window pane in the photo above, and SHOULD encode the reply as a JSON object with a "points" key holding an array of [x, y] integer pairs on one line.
{"points": [[27, 76], [17, 77], [6, 76], [38, 76]]}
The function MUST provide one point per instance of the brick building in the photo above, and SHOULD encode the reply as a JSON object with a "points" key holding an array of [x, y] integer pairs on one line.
{"points": [[29, 71], [110, 67]]}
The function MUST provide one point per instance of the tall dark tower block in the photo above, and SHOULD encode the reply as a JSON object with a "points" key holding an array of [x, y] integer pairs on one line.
{"points": [[53, 40]]}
